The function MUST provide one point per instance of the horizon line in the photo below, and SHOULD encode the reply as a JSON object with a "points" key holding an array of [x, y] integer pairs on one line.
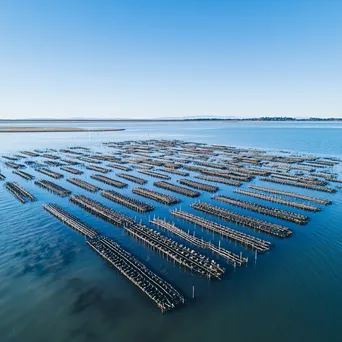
{"points": [[262, 118]]}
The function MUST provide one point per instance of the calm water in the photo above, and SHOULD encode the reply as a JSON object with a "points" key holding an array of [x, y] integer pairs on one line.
{"points": [[54, 288]]}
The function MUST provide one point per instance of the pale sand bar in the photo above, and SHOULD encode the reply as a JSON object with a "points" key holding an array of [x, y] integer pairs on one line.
{"points": [[55, 129]]}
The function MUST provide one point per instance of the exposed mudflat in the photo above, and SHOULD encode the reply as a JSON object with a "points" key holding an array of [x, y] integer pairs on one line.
{"points": [[55, 129]]}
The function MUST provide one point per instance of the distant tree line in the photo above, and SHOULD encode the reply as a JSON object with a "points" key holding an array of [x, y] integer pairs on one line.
{"points": [[265, 118]]}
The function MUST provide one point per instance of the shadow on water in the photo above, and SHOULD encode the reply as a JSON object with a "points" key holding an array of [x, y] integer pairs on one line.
{"points": [[94, 304], [85, 299], [43, 258], [88, 295]]}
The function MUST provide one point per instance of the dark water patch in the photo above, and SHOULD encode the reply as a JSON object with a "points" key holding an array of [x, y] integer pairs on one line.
{"points": [[94, 305], [88, 296], [86, 299], [43, 258]]}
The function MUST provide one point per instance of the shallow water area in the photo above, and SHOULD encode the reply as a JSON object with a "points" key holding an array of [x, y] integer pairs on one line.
{"points": [[55, 288]]}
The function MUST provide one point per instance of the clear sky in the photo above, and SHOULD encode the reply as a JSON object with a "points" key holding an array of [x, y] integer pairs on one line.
{"points": [[170, 58]]}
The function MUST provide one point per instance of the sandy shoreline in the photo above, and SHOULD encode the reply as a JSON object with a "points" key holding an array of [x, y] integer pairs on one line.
{"points": [[55, 129]]}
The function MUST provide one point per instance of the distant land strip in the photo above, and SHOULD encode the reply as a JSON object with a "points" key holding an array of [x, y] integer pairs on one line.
{"points": [[55, 129], [173, 119]]}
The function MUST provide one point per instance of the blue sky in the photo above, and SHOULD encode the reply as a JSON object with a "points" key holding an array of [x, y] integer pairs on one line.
{"points": [[170, 58]]}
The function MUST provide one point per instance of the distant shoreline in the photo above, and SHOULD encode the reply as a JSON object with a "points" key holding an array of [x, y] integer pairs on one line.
{"points": [[261, 119], [55, 129]]}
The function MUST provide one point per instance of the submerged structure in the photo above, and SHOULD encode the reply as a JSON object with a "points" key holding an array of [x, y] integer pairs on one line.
{"points": [[203, 237]]}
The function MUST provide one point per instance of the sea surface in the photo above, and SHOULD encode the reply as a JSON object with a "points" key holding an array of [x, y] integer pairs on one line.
{"points": [[54, 288]]}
